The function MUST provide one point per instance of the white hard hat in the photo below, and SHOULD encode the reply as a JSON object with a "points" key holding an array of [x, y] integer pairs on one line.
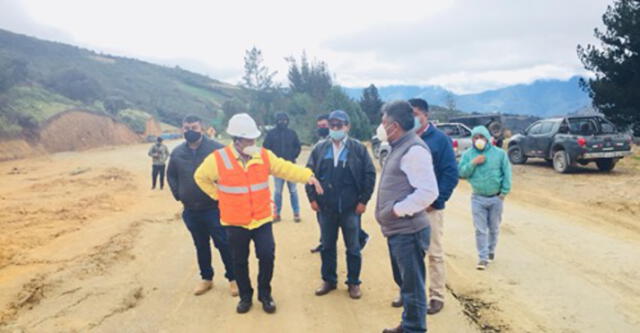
{"points": [[243, 126]]}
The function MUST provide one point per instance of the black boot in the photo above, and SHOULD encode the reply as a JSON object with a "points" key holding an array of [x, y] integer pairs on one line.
{"points": [[244, 305], [268, 304]]}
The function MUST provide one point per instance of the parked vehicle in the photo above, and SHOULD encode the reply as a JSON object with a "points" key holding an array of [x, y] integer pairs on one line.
{"points": [[460, 136], [380, 146], [565, 142], [493, 122]]}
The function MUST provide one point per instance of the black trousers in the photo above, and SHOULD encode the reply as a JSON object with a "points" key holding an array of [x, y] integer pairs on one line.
{"points": [[239, 239], [158, 170]]}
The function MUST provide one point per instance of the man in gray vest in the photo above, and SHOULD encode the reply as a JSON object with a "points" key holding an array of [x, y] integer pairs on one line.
{"points": [[408, 186]]}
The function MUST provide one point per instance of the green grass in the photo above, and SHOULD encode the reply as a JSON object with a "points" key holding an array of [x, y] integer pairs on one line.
{"points": [[37, 102], [135, 119], [204, 94]]}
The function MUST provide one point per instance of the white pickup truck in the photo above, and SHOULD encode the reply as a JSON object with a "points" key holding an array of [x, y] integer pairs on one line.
{"points": [[459, 133]]}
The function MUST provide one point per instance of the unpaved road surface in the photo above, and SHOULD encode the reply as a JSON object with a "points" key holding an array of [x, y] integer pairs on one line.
{"points": [[85, 245]]}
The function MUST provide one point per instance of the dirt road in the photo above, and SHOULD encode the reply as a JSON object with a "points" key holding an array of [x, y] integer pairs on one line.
{"points": [[85, 245]]}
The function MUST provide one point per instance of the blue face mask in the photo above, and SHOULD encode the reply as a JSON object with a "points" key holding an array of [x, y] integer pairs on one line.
{"points": [[416, 124], [337, 135]]}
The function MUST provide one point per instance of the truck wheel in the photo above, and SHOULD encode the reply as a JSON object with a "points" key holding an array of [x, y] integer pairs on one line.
{"points": [[605, 164], [516, 156], [561, 162], [495, 128], [383, 157]]}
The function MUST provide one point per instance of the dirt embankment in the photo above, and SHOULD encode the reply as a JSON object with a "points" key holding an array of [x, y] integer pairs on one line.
{"points": [[152, 128], [71, 131], [79, 130]]}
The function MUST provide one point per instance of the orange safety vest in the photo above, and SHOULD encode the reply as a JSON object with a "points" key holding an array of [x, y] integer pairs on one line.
{"points": [[243, 195]]}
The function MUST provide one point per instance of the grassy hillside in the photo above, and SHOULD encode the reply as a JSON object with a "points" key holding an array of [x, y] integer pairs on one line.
{"points": [[39, 79]]}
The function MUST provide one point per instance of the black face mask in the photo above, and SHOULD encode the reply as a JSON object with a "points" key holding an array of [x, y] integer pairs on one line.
{"points": [[192, 136], [282, 124], [323, 132]]}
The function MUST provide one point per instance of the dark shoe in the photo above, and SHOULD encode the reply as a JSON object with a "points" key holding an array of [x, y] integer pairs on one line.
{"points": [[277, 219], [317, 249], [244, 306], [296, 218], [397, 303], [363, 242], [397, 329], [492, 257], [268, 305], [325, 288], [435, 306], [354, 291], [482, 265]]}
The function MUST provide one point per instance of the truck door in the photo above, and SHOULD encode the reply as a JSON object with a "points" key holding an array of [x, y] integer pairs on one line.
{"points": [[544, 138], [528, 142]]}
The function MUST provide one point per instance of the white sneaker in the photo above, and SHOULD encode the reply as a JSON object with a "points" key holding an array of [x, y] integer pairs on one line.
{"points": [[482, 265]]}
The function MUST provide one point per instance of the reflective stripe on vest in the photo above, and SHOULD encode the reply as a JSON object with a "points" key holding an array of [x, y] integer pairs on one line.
{"points": [[225, 159], [233, 189], [261, 186]]}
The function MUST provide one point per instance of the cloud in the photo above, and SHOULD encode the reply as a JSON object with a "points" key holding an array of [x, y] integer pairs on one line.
{"points": [[487, 43], [14, 17]]}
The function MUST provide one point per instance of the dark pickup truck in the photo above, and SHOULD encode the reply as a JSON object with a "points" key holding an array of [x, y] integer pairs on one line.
{"points": [[563, 142]]}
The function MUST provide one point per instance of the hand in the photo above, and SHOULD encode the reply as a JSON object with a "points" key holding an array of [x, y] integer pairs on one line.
{"points": [[314, 181], [502, 196], [361, 208], [430, 209], [314, 206], [480, 159]]}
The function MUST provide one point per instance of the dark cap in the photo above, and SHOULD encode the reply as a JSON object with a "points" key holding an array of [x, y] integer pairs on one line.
{"points": [[339, 115]]}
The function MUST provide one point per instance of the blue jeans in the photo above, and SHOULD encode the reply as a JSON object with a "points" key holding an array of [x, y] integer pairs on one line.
{"points": [[407, 253], [487, 215], [363, 236], [277, 195], [205, 224], [349, 222]]}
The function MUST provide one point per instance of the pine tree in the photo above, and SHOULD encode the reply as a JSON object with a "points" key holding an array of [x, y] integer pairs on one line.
{"points": [[256, 75], [370, 103], [259, 85], [616, 64]]}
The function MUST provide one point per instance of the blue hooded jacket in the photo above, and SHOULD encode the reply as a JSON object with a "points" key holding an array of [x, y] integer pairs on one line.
{"points": [[444, 163]]}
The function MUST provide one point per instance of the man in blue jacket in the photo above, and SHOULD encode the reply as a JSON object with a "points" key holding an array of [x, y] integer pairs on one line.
{"points": [[446, 170]]}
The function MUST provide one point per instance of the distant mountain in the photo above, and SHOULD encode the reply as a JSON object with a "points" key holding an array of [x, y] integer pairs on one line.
{"points": [[542, 98]]}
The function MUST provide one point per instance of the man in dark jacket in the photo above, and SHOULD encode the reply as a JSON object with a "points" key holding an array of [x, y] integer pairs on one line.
{"points": [[446, 170], [284, 142], [347, 175], [201, 214]]}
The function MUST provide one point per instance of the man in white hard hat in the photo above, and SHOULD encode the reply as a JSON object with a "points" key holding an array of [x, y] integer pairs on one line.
{"points": [[238, 177]]}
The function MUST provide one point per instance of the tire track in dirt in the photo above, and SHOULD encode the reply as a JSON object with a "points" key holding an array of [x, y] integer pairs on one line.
{"points": [[62, 206], [96, 264]]}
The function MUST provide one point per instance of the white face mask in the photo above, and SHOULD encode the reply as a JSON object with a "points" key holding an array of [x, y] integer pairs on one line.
{"points": [[251, 150], [480, 144]]}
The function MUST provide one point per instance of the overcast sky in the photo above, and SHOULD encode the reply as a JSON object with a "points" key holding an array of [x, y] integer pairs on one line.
{"points": [[463, 45]]}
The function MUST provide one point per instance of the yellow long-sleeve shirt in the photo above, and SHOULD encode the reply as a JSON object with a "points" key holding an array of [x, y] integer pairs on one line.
{"points": [[207, 175]]}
